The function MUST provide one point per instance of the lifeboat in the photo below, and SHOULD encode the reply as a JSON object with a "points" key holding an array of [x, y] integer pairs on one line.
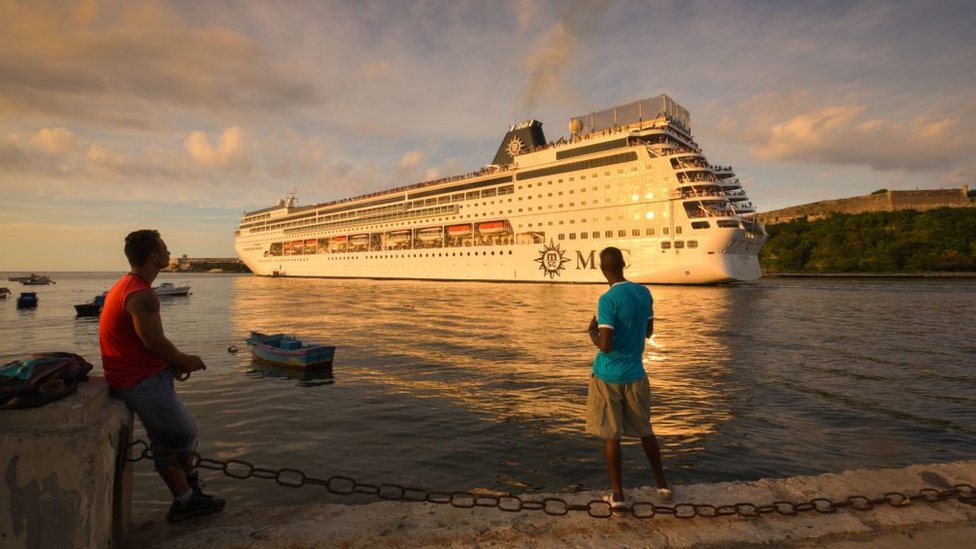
{"points": [[398, 236], [339, 239], [430, 233], [492, 227], [459, 230], [359, 239]]}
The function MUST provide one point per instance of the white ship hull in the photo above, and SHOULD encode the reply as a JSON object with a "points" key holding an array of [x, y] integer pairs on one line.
{"points": [[576, 264], [544, 217]]}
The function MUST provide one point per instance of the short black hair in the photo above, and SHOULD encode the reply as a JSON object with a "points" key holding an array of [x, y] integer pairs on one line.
{"points": [[612, 260], [139, 245]]}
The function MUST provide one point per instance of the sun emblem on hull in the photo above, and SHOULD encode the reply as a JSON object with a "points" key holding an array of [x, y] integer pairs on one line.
{"points": [[515, 147], [551, 259]]}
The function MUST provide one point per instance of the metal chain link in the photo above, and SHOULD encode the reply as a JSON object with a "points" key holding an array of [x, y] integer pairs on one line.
{"points": [[597, 508]]}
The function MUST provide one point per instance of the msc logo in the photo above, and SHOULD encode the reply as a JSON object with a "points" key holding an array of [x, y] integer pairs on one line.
{"points": [[551, 260]]}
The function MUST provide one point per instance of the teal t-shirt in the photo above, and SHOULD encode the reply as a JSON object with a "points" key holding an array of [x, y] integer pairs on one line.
{"points": [[625, 308]]}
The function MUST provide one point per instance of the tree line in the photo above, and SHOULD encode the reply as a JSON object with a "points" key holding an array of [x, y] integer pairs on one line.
{"points": [[906, 241]]}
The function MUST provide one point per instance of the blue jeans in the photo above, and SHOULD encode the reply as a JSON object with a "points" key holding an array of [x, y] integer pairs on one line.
{"points": [[171, 428]]}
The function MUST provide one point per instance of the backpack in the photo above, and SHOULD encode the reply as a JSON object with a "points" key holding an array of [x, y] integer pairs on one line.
{"points": [[41, 378]]}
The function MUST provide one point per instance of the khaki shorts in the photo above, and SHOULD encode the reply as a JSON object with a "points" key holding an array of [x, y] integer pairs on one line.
{"points": [[614, 410]]}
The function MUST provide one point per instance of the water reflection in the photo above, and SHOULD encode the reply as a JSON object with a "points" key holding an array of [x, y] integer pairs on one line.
{"points": [[511, 353], [307, 377], [482, 386]]}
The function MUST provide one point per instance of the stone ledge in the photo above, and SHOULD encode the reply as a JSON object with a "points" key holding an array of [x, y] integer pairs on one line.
{"points": [[81, 408], [394, 524]]}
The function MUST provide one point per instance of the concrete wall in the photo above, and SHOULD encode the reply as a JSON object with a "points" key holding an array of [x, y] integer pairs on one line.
{"points": [[884, 202], [59, 486]]}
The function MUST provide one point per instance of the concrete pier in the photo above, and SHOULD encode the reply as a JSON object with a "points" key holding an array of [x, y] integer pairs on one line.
{"points": [[63, 485], [921, 524]]}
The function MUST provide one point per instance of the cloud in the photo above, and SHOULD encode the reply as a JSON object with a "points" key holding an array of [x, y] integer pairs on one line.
{"points": [[48, 150], [103, 160], [53, 141], [228, 152], [411, 160], [117, 63], [811, 134], [790, 129]]}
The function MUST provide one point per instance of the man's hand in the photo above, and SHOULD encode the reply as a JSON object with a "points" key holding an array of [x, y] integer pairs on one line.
{"points": [[189, 363]]}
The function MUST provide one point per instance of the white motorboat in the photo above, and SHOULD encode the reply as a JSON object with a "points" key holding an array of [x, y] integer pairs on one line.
{"points": [[167, 289]]}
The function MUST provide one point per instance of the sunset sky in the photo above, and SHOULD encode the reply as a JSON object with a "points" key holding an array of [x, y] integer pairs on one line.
{"points": [[120, 115]]}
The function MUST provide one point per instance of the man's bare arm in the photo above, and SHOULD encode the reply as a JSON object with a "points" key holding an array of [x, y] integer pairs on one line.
{"points": [[143, 307]]}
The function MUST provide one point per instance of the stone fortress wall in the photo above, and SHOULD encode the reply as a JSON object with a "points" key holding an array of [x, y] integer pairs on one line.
{"points": [[888, 201]]}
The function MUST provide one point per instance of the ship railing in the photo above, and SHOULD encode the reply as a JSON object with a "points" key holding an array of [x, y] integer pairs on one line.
{"points": [[696, 177], [698, 210], [695, 193]]}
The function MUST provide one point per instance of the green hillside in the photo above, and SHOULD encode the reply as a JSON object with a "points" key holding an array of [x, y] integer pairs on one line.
{"points": [[907, 241]]}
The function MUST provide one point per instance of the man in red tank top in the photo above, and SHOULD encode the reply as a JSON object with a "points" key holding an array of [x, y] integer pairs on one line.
{"points": [[140, 364]]}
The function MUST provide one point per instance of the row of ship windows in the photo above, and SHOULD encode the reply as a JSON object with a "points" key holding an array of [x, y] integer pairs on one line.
{"points": [[426, 221], [647, 231], [438, 254], [623, 234], [457, 197], [665, 244], [412, 213]]}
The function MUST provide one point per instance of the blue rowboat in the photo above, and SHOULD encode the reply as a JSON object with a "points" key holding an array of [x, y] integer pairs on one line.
{"points": [[285, 350]]}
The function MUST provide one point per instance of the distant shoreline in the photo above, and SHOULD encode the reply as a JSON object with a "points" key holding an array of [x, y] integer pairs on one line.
{"points": [[872, 275]]}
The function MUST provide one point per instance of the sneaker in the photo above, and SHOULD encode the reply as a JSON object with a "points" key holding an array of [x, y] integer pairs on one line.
{"points": [[614, 503], [197, 485], [197, 506], [665, 494]]}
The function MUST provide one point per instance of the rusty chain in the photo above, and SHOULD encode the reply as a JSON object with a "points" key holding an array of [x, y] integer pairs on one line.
{"points": [[597, 508]]}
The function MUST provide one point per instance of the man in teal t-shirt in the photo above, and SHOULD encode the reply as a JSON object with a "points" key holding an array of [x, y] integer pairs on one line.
{"points": [[619, 395]]}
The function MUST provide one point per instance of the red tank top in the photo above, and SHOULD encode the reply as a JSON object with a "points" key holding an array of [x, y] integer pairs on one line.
{"points": [[125, 360]]}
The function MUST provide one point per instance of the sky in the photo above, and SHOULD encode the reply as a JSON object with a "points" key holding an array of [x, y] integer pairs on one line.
{"points": [[179, 116]]}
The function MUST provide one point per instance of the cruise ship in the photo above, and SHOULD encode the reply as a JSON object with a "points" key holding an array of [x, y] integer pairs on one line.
{"points": [[630, 176]]}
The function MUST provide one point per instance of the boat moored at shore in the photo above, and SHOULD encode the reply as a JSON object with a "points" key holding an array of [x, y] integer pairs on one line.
{"points": [[630, 176]]}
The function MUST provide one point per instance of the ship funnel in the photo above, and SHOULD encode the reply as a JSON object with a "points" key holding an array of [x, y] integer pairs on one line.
{"points": [[521, 138]]}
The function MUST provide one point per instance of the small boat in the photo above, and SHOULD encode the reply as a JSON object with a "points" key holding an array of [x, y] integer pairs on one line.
{"points": [[92, 308], [169, 289], [27, 300], [285, 350], [4, 292], [36, 280]]}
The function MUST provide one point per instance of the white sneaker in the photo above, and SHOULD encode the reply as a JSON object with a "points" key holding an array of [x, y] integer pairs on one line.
{"points": [[614, 504]]}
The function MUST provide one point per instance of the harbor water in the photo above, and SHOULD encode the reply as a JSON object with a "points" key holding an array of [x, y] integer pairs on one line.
{"points": [[482, 387]]}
